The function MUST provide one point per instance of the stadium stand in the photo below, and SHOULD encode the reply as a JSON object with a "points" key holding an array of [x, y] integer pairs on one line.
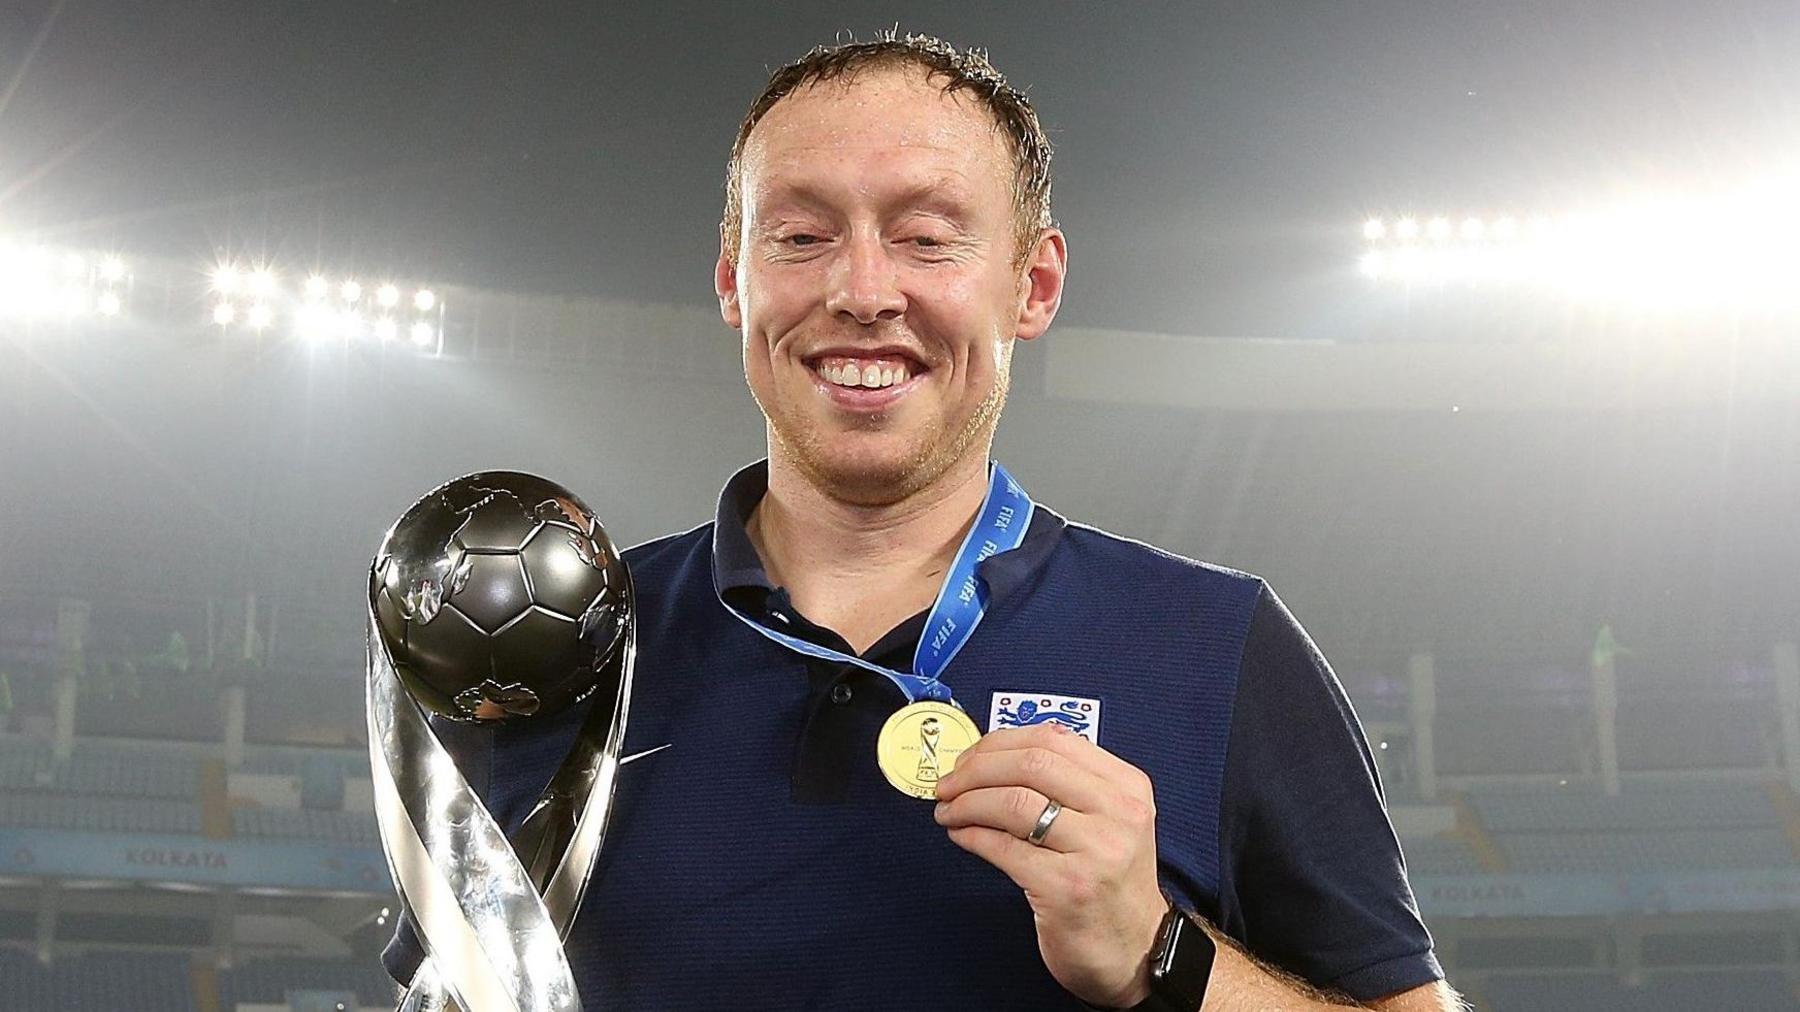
{"points": [[138, 981], [266, 981], [1667, 850], [1536, 807], [1753, 991], [96, 769], [350, 828], [1439, 855], [99, 814]]}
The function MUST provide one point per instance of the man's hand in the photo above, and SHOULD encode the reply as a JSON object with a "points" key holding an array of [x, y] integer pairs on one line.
{"points": [[1092, 883]]}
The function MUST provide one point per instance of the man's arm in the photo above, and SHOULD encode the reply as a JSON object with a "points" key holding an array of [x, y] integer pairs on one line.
{"points": [[1242, 983], [1315, 869], [1311, 869], [1092, 882]]}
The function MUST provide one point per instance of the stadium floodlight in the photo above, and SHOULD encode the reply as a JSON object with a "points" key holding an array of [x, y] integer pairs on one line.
{"points": [[352, 324], [1374, 229], [35, 300], [70, 301], [1699, 250], [112, 270], [224, 313], [108, 304], [315, 322], [386, 329], [74, 267], [261, 283], [227, 280], [260, 316], [422, 333], [387, 296], [350, 291], [424, 300], [317, 287]]}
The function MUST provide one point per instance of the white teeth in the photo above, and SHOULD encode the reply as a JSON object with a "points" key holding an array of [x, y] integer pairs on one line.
{"points": [[871, 375]]}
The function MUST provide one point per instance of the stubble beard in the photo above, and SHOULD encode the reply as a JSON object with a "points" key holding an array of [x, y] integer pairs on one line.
{"points": [[929, 457]]}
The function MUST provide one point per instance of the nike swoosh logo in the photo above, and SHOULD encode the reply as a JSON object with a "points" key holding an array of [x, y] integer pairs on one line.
{"points": [[635, 756]]}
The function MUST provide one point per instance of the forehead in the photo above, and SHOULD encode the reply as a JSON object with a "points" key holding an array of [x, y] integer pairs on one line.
{"points": [[888, 123]]}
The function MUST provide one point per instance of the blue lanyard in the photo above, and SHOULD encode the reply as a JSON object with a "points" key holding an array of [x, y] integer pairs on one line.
{"points": [[1000, 527]]}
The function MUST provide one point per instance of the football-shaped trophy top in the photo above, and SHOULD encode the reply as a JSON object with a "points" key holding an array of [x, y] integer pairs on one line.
{"points": [[499, 597]]}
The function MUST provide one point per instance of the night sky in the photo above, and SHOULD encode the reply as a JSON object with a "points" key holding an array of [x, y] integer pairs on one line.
{"points": [[1212, 161]]}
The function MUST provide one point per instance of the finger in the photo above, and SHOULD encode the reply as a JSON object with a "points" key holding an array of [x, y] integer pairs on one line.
{"points": [[1031, 868], [1014, 810], [1058, 738], [1044, 770]]}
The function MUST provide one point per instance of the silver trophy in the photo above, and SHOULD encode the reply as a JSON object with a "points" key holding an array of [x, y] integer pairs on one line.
{"points": [[496, 597]]}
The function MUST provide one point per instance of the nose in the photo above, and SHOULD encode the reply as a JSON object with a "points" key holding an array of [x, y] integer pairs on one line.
{"points": [[864, 283]]}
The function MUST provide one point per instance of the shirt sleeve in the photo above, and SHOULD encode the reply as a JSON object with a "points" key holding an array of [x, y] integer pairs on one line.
{"points": [[1311, 874], [508, 766]]}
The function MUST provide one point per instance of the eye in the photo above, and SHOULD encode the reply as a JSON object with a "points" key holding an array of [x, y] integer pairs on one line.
{"points": [[926, 242], [795, 239]]}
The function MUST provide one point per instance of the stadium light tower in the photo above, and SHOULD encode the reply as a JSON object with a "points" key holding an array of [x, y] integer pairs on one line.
{"points": [[227, 280], [44, 283], [324, 305], [1699, 250]]}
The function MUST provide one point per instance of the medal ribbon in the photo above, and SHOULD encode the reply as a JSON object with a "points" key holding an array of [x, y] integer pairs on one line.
{"points": [[962, 600]]}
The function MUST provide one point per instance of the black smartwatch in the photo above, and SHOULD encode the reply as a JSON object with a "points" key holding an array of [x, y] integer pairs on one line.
{"points": [[1180, 965]]}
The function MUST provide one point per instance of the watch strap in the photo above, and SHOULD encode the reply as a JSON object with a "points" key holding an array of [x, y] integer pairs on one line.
{"points": [[1180, 965]]}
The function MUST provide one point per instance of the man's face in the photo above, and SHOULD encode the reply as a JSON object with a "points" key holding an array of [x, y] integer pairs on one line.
{"points": [[873, 287]]}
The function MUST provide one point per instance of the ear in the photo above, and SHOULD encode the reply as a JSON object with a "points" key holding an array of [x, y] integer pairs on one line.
{"points": [[1041, 284], [725, 286]]}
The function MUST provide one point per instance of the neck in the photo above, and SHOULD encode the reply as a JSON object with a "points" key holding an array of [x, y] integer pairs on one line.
{"points": [[860, 570]]}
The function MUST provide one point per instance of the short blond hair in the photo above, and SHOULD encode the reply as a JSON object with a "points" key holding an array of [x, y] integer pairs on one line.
{"points": [[959, 70]]}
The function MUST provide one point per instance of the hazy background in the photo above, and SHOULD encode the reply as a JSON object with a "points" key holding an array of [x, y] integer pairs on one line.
{"points": [[557, 173]]}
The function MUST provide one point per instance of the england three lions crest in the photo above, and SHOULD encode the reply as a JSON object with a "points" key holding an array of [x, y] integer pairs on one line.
{"points": [[1028, 709]]}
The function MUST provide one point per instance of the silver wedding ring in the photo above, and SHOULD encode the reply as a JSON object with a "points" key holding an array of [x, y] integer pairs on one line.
{"points": [[1038, 832]]}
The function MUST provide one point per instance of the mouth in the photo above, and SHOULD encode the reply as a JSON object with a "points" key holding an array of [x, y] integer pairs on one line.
{"points": [[864, 382]]}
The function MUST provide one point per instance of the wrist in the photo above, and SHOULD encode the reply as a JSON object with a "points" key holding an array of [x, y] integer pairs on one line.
{"points": [[1139, 991], [1140, 994], [1179, 965]]}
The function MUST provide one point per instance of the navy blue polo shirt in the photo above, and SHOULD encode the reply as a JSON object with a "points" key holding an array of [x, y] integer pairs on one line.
{"points": [[761, 861]]}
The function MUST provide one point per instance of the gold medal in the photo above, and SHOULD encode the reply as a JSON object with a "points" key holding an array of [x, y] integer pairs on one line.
{"points": [[920, 743]]}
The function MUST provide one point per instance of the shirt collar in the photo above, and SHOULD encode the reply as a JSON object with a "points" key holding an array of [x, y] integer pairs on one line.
{"points": [[736, 566]]}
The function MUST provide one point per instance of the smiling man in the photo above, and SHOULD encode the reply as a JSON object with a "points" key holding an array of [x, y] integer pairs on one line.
{"points": [[1172, 806]]}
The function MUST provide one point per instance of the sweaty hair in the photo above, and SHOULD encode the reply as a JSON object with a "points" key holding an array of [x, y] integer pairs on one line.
{"points": [[967, 70]]}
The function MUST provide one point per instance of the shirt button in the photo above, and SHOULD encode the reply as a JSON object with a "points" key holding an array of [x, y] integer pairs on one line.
{"points": [[840, 693]]}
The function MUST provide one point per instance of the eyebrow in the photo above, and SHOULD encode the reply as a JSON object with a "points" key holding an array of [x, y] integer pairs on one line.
{"points": [[944, 195]]}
